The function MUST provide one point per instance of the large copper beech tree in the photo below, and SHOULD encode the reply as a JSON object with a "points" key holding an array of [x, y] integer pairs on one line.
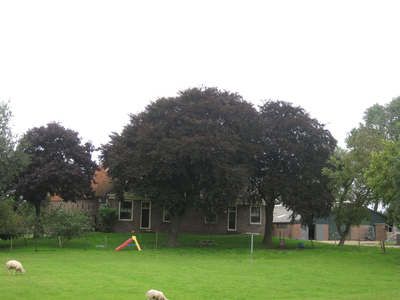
{"points": [[190, 151], [60, 165], [296, 149]]}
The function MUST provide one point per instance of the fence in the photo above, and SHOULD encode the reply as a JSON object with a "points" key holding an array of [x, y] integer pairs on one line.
{"points": [[89, 241]]}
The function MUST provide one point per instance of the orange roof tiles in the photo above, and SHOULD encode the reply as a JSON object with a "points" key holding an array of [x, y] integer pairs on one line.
{"points": [[103, 183]]}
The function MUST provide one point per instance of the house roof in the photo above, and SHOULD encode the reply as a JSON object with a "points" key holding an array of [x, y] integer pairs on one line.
{"points": [[283, 215], [103, 184]]}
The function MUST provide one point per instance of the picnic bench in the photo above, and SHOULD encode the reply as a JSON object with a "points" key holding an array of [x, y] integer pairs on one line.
{"points": [[202, 243]]}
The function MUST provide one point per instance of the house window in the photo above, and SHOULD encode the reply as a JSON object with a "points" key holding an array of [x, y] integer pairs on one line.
{"points": [[166, 217], [145, 215], [125, 210], [255, 215], [91, 206], [211, 219], [281, 225], [232, 217]]}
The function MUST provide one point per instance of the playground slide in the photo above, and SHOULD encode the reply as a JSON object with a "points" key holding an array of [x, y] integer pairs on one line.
{"points": [[127, 243], [124, 244]]}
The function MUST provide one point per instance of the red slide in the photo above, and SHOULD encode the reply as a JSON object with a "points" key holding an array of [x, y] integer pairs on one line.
{"points": [[124, 244]]}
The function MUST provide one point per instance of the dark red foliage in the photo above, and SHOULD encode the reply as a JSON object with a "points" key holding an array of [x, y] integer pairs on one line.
{"points": [[192, 150], [296, 149], [60, 165]]}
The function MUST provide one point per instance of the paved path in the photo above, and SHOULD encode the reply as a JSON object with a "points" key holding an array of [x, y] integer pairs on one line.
{"points": [[362, 243]]}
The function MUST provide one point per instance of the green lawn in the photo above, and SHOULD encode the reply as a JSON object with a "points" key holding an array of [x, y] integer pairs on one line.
{"points": [[189, 272]]}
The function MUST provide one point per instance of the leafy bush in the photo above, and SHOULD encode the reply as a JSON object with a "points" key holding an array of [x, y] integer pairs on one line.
{"points": [[108, 216], [11, 223], [67, 222]]}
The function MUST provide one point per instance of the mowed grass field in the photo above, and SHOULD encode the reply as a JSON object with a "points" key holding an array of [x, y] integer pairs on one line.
{"points": [[223, 271]]}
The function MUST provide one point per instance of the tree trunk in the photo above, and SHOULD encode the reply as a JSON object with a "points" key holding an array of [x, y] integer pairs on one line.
{"points": [[68, 239], [343, 234], [174, 223], [36, 231], [269, 218]]}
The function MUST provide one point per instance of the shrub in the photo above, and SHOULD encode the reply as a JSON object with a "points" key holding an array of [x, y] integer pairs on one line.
{"points": [[108, 216], [67, 223], [10, 222]]}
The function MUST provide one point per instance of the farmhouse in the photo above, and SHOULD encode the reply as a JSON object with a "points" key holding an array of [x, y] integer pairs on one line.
{"points": [[137, 214]]}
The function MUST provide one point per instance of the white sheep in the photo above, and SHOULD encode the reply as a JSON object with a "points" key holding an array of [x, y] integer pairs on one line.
{"points": [[13, 264], [153, 294]]}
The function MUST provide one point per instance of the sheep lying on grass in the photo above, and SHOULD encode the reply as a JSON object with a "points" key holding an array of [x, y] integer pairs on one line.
{"points": [[13, 264], [153, 294]]}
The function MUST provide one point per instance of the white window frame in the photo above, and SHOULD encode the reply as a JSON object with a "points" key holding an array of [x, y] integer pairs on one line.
{"points": [[141, 213], [259, 210], [119, 211], [230, 210], [166, 213]]}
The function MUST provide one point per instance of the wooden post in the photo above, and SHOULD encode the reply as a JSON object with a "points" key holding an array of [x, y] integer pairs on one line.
{"points": [[59, 241], [282, 243], [359, 243], [157, 239], [105, 238], [383, 247]]}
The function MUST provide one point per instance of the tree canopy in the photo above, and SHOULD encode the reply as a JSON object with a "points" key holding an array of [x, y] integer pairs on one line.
{"points": [[12, 160], [11, 223], [347, 170], [383, 119], [295, 150], [60, 165], [66, 222], [194, 150], [383, 176]]}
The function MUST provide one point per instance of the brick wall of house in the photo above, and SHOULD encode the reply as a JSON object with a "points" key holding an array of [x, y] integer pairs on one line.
{"points": [[285, 233], [192, 223], [296, 231], [381, 232], [359, 232], [326, 232], [91, 207]]}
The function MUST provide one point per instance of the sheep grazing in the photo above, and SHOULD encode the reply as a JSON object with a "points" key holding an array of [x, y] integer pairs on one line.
{"points": [[13, 264], [153, 294]]}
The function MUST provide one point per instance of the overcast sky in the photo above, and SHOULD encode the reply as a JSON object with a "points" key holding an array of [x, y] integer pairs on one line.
{"points": [[88, 64]]}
